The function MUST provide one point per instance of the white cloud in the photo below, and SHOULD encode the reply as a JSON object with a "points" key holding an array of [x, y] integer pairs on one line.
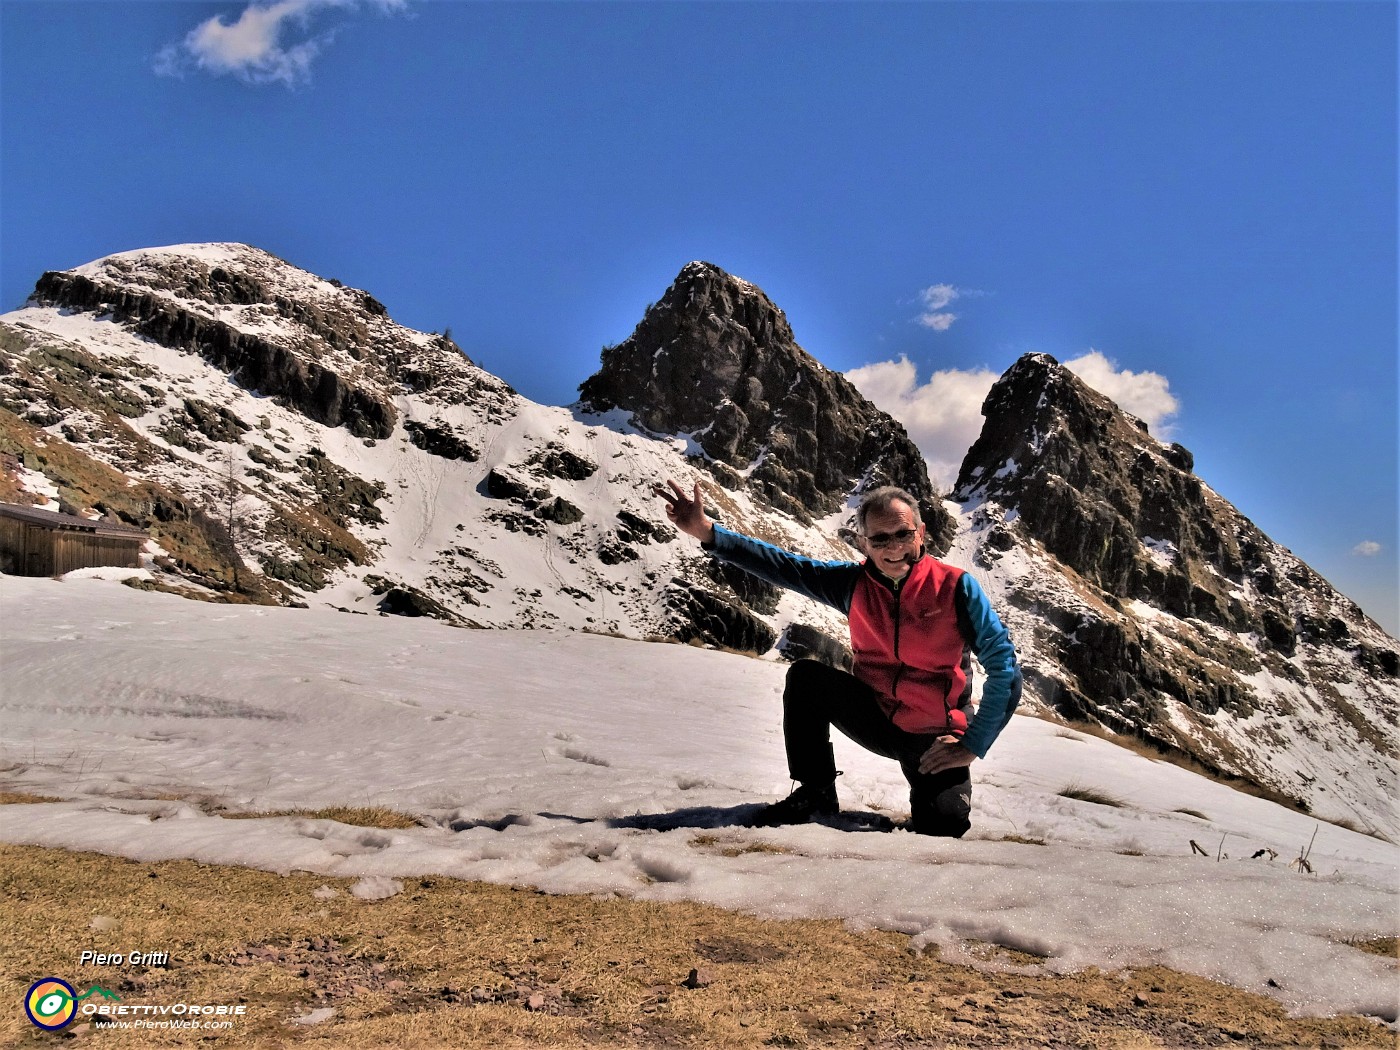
{"points": [[943, 416], [935, 298], [1367, 548], [260, 46], [939, 322], [1144, 394]]}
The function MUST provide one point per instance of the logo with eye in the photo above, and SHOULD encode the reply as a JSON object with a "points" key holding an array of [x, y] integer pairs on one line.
{"points": [[51, 1003]]}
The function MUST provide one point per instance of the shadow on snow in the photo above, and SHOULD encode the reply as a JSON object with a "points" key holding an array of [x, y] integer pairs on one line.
{"points": [[689, 817]]}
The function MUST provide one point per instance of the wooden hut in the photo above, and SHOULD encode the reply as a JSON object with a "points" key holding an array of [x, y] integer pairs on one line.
{"points": [[36, 542]]}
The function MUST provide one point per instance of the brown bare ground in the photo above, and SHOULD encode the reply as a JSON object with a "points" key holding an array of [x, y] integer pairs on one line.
{"points": [[457, 964]]}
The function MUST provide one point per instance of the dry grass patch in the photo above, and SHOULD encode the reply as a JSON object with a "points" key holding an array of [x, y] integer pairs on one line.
{"points": [[158, 586], [989, 951], [1351, 825], [731, 848], [24, 798], [1389, 946], [1087, 794], [359, 816], [458, 964]]}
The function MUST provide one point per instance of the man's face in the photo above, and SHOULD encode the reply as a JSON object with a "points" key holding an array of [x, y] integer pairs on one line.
{"points": [[891, 538]]}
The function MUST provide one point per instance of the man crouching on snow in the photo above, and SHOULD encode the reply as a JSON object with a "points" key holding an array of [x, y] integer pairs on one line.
{"points": [[914, 623]]}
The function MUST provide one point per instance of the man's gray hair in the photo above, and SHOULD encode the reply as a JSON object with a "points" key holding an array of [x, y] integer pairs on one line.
{"points": [[881, 498]]}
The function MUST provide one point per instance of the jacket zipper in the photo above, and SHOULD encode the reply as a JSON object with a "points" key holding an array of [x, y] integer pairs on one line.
{"points": [[899, 664]]}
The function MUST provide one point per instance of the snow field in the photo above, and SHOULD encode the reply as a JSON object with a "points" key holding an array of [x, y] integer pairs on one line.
{"points": [[586, 764]]}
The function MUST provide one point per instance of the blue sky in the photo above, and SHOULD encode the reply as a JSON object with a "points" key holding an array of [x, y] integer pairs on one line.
{"points": [[1194, 201]]}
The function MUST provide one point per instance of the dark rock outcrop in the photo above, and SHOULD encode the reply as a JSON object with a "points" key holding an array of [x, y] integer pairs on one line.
{"points": [[1111, 502], [1059, 466], [501, 483], [340, 495], [258, 364], [560, 511], [757, 595], [704, 617], [399, 599], [214, 421], [559, 462], [440, 439], [633, 528], [716, 359]]}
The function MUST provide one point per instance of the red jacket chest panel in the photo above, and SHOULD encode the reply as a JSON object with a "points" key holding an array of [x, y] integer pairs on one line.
{"points": [[908, 646]]}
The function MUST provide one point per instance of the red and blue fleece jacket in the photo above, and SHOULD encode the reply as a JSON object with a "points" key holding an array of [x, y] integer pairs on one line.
{"points": [[913, 639]]}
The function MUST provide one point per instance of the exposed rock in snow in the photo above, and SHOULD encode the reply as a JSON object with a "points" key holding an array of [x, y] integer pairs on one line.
{"points": [[1142, 600], [716, 360]]}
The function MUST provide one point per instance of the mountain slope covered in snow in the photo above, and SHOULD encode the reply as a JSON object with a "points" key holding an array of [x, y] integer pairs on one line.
{"points": [[227, 400], [375, 466]]}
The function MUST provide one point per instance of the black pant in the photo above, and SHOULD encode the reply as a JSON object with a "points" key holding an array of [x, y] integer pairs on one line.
{"points": [[818, 697]]}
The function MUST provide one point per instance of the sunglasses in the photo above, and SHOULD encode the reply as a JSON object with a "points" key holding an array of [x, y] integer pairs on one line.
{"points": [[887, 539]]}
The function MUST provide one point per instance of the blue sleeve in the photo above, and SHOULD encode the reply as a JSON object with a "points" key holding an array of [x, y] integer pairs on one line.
{"points": [[829, 582], [990, 641]]}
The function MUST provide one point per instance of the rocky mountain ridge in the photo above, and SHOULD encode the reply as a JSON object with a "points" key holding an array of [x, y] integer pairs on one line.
{"points": [[374, 467], [377, 469], [1155, 608], [716, 359]]}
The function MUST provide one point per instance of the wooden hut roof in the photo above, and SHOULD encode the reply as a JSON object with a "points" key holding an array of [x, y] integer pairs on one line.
{"points": [[59, 522]]}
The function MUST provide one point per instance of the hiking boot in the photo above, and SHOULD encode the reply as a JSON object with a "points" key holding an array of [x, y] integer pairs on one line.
{"points": [[808, 801]]}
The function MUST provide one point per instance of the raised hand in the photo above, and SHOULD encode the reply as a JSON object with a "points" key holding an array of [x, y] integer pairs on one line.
{"points": [[686, 513]]}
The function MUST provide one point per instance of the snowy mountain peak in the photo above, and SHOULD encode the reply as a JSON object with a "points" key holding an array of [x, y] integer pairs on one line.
{"points": [[329, 351], [1153, 606], [224, 274], [716, 359]]}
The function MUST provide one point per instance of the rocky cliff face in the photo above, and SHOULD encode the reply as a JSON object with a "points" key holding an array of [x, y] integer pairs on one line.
{"points": [[313, 388], [236, 307], [717, 360], [1121, 509], [1154, 607]]}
